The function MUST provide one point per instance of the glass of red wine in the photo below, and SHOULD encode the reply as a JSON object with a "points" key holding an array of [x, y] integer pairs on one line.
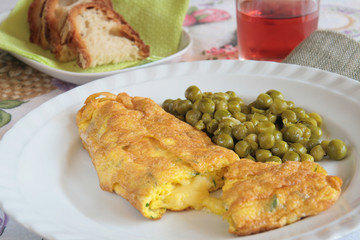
{"points": [[270, 29]]}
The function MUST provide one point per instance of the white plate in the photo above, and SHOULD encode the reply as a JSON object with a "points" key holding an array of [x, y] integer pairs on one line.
{"points": [[82, 78], [48, 184]]}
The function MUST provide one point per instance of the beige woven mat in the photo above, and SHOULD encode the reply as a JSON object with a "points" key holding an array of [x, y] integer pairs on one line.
{"points": [[19, 81], [330, 51]]}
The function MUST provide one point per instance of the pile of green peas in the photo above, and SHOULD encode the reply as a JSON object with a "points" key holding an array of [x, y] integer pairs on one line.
{"points": [[268, 129]]}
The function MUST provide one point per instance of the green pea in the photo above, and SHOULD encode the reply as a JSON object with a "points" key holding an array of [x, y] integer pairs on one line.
{"points": [[278, 135], [228, 122], [217, 99], [274, 159], [300, 113], [206, 118], [196, 105], [250, 157], [240, 131], [278, 106], [317, 118], [193, 93], [246, 109], [222, 113], [193, 116], [242, 148], [262, 155], [183, 106], [308, 121], [271, 117], [173, 105], [212, 126], [301, 126], [265, 126], [290, 104], [259, 117], [200, 125], [239, 116], [311, 143], [280, 148], [316, 132], [336, 149], [237, 99], [263, 101], [324, 144], [291, 156], [255, 122], [318, 153], [257, 110], [250, 126], [207, 95], [224, 129], [275, 94], [206, 105], [166, 104], [289, 115], [292, 134], [306, 157], [298, 147], [252, 137], [306, 133], [221, 95], [221, 105], [234, 106], [254, 145], [266, 140], [231, 94], [225, 140]]}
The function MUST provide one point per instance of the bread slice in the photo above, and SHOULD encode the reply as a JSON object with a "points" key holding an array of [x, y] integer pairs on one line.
{"points": [[35, 13], [55, 15], [99, 35]]}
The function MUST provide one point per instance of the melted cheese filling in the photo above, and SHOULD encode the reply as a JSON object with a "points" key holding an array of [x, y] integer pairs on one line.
{"points": [[194, 195]]}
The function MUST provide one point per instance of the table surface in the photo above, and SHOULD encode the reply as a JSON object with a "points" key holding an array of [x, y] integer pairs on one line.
{"points": [[342, 16]]}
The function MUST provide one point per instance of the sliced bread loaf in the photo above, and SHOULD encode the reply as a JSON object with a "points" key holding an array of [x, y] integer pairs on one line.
{"points": [[89, 31]]}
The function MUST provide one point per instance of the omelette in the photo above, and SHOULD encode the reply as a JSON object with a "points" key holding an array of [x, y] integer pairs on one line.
{"points": [[263, 196], [149, 157]]}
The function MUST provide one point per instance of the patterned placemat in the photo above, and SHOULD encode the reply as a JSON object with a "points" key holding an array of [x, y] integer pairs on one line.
{"points": [[19, 81], [341, 19]]}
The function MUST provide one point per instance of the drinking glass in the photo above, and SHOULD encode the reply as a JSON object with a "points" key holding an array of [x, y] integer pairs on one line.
{"points": [[270, 29]]}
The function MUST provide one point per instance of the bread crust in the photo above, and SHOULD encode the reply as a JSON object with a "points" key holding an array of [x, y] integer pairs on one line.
{"points": [[35, 13]]}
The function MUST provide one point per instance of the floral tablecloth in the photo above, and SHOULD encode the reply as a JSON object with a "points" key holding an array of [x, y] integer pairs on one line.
{"points": [[212, 26]]}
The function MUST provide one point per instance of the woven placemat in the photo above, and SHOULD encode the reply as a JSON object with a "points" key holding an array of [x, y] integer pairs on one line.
{"points": [[21, 82], [329, 51]]}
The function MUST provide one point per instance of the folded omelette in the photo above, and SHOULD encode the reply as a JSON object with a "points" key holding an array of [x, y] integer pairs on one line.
{"points": [[149, 157], [263, 196]]}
